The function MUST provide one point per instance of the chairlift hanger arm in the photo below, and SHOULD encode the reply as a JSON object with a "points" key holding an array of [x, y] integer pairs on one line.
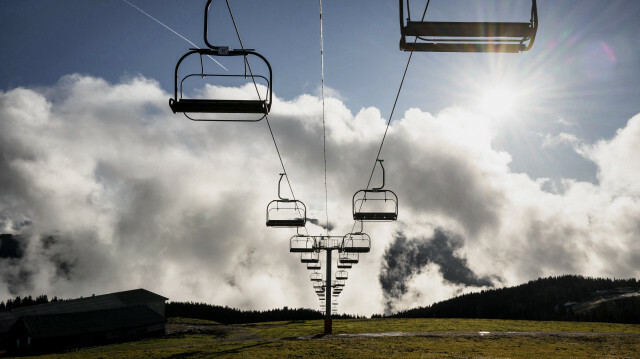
{"points": [[381, 166]]}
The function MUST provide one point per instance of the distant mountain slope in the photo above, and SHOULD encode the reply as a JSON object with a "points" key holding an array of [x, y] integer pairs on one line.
{"points": [[568, 297]]}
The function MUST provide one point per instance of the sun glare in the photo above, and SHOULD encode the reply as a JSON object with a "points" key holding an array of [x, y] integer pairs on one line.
{"points": [[498, 101]]}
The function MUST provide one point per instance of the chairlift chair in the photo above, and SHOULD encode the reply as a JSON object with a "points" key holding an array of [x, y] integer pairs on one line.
{"points": [[301, 244], [357, 242], [284, 212], [346, 257], [314, 266], [190, 106], [344, 265], [316, 277], [310, 257], [376, 204], [339, 283], [342, 275], [442, 36]]}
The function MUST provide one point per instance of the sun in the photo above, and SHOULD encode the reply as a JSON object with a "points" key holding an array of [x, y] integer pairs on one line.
{"points": [[498, 101]]}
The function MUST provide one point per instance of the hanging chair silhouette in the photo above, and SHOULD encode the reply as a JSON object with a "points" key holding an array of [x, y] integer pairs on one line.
{"points": [[316, 277], [301, 243], [443, 36], [342, 275], [309, 257], [285, 212], [314, 266], [356, 242], [259, 106], [344, 265], [339, 283], [377, 204], [351, 258]]}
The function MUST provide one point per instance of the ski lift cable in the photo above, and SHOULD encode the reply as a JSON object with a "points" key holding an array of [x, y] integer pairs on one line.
{"points": [[324, 129], [395, 102], [275, 143]]}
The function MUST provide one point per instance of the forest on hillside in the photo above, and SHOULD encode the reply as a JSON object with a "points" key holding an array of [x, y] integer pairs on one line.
{"points": [[569, 297]]}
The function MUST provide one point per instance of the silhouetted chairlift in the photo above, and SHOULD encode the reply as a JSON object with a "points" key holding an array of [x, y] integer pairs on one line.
{"points": [[442, 36], [342, 275], [356, 242], [301, 243], [316, 277], [344, 265], [339, 283], [285, 212], [376, 204], [314, 266], [310, 257], [345, 257], [261, 105]]}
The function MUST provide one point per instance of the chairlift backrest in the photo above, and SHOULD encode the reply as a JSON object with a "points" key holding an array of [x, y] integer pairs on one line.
{"points": [[442, 36]]}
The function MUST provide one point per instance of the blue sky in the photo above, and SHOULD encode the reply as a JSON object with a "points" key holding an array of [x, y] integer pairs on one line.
{"points": [[563, 135]]}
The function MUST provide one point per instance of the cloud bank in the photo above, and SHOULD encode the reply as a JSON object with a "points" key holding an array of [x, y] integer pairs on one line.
{"points": [[107, 190]]}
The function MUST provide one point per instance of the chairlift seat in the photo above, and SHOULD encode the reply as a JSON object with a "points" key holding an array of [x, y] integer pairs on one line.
{"points": [[296, 222], [344, 265], [375, 216], [218, 106], [348, 260]]}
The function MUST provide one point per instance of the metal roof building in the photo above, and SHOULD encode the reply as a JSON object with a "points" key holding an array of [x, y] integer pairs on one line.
{"points": [[72, 323]]}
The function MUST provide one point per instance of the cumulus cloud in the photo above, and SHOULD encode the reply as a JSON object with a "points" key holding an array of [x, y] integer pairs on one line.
{"points": [[107, 190]]}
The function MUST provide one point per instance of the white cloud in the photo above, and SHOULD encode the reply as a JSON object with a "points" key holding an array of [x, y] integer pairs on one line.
{"points": [[136, 196]]}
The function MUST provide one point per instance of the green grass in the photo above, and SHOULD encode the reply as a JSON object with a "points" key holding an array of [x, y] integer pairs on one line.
{"points": [[191, 321], [313, 327], [280, 340]]}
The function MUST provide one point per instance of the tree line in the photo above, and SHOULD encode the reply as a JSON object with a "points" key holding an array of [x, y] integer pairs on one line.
{"points": [[227, 315], [18, 302], [568, 297]]}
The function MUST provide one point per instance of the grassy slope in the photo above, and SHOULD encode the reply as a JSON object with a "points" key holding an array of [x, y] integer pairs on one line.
{"points": [[276, 340]]}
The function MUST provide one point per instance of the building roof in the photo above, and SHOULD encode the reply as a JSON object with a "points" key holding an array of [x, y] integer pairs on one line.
{"points": [[70, 324], [94, 303]]}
